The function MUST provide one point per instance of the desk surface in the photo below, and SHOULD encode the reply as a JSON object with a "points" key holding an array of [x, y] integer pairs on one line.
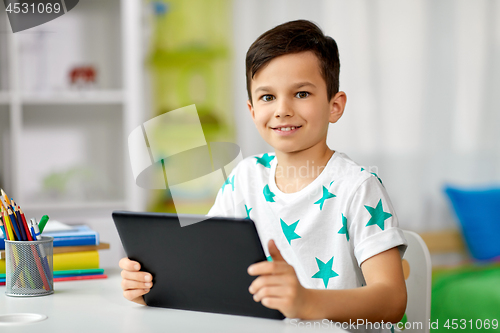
{"points": [[99, 306]]}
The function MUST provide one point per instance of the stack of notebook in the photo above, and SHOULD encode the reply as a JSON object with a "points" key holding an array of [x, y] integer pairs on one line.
{"points": [[76, 255]]}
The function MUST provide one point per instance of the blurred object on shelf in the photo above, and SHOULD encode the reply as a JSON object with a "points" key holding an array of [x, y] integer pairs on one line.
{"points": [[190, 63], [160, 8], [74, 184], [34, 56], [83, 77]]}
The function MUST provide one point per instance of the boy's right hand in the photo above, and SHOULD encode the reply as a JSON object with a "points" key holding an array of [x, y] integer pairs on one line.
{"points": [[134, 282]]}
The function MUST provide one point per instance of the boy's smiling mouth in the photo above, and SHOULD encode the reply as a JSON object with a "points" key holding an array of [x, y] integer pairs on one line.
{"points": [[286, 129]]}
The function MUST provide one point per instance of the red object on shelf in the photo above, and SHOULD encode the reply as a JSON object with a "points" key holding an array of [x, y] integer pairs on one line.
{"points": [[83, 75]]}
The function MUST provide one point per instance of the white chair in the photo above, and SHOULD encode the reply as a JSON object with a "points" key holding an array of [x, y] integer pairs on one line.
{"points": [[418, 273]]}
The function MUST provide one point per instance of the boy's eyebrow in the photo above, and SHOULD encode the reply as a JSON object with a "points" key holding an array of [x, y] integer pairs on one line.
{"points": [[295, 86]]}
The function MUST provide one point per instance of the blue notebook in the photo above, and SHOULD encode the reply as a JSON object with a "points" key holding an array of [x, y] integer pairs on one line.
{"points": [[79, 235]]}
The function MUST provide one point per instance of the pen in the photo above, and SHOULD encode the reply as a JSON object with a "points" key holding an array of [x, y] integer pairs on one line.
{"points": [[36, 232]]}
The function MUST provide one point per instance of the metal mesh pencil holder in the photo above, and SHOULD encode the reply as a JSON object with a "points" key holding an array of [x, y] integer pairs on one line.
{"points": [[29, 267]]}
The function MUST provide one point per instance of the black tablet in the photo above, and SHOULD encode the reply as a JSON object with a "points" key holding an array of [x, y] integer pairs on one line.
{"points": [[199, 267]]}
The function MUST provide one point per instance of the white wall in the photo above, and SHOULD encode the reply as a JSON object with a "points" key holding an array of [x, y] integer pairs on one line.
{"points": [[420, 77]]}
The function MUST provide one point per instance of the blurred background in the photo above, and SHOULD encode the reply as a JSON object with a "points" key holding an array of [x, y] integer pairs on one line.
{"points": [[420, 77]]}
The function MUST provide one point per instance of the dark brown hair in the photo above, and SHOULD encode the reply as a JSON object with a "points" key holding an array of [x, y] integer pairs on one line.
{"points": [[294, 37]]}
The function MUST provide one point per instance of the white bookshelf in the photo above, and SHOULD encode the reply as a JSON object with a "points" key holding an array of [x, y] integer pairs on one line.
{"points": [[4, 98], [74, 97], [51, 131]]}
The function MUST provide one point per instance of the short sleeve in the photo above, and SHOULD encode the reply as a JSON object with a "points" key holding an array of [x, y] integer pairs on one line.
{"points": [[372, 221], [229, 198], [224, 205]]}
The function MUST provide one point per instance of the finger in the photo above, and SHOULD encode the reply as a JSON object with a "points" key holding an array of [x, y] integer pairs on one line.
{"points": [[131, 285], [129, 265], [270, 291], [274, 251], [265, 281], [275, 303], [136, 295], [137, 276], [268, 267]]}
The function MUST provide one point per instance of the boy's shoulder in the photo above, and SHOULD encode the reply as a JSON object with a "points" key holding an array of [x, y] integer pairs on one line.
{"points": [[345, 169]]}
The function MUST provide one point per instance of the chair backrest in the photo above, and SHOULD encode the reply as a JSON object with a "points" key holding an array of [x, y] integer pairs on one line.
{"points": [[418, 274]]}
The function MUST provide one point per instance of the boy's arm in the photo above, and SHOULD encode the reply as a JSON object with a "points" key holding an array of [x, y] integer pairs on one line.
{"points": [[383, 298]]}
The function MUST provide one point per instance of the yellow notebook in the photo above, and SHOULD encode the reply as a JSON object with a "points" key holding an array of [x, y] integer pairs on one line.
{"points": [[72, 260]]}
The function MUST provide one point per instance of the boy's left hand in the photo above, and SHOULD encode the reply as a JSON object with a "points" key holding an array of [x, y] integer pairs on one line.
{"points": [[277, 287]]}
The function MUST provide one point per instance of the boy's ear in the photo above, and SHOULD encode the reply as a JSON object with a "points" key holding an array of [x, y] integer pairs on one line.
{"points": [[250, 108], [337, 106]]}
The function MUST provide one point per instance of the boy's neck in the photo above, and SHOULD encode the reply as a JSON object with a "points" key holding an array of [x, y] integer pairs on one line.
{"points": [[296, 170]]}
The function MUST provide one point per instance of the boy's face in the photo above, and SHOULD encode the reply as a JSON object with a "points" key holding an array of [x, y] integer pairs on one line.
{"points": [[290, 106]]}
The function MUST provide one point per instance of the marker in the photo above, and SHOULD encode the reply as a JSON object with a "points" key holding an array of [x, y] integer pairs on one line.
{"points": [[43, 222]]}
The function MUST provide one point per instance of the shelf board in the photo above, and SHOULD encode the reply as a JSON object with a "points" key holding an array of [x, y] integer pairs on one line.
{"points": [[4, 97], [74, 97], [76, 205]]}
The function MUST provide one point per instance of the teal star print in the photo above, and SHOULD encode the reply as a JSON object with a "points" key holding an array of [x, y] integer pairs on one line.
{"points": [[325, 271], [332, 182], [378, 215], [362, 168], [248, 212], [227, 182], [344, 230], [268, 194], [326, 195], [265, 160], [289, 231]]}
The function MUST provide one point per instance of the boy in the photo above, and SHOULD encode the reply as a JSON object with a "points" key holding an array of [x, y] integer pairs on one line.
{"points": [[339, 244]]}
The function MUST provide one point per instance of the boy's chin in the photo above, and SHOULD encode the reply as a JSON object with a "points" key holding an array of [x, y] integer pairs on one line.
{"points": [[287, 150]]}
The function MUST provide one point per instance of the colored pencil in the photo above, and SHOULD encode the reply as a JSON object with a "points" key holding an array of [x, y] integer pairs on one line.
{"points": [[22, 220], [2, 227], [12, 229], [4, 195], [8, 228], [20, 224]]}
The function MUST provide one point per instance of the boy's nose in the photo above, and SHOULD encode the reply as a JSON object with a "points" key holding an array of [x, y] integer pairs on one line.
{"points": [[283, 109]]}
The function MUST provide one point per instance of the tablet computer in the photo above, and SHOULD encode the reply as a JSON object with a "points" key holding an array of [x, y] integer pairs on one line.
{"points": [[200, 267]]}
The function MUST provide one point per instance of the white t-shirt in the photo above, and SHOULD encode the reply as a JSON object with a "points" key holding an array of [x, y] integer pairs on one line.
{"points": [[325, 230]]}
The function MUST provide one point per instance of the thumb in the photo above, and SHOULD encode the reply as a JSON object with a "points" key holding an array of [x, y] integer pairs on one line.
{"points": [[274, 252]]}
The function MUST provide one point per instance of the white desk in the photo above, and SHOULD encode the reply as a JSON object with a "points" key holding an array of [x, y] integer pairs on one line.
{"points": [[94, 306]]}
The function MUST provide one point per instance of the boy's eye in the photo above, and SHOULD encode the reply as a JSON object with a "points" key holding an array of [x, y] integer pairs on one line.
{"points": [[267, 98], [302, 94]]}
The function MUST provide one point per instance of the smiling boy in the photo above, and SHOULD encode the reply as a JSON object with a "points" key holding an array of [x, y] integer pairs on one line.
{"points": [[339, 243]]}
